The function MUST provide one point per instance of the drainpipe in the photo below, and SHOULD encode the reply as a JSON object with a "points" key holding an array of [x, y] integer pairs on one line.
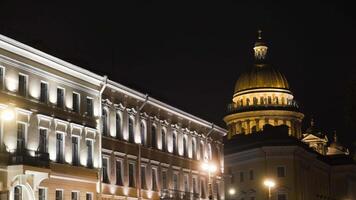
{"points": [[139, 154], [105, 80]]}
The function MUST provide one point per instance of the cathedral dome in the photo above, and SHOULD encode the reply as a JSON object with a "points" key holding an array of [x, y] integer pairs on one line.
{"points": [[261, 77]]}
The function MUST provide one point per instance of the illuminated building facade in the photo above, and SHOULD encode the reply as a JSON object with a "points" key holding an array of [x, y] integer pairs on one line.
{"points": [[154, 151], [67, 133], [265, 141]]}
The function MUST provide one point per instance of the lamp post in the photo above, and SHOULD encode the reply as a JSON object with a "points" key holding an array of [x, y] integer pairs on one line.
{"points": [[270, 184], [210, 168]]}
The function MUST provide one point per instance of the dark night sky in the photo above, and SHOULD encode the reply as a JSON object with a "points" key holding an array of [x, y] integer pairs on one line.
{"points": [[190, 55]]}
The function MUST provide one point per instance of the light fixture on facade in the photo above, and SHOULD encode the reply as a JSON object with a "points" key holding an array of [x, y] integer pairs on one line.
{"points": [[7, 115], [270, 184], [232, 191]]}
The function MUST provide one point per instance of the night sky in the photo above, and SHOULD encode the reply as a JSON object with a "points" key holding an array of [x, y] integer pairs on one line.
{"points": [[189, 55]]}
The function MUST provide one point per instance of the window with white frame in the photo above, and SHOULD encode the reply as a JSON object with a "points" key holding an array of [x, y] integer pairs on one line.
{"points": [[194, 149], [175, 181], [42, 194], [89, 107], [42, 144], [90, 153], [202, 188], [175, 142], [185, 146], [44, 92], [60, 147], [143, 177], [89, 196], [118, 126], [131, 130], [59, 194], [22, 89], [281, 171], [132, 175], [153, 136], [195, 185], [251, 174], [76, 102], [104, 117], [164, 139], [186, 183], [105, 170], [75, 195], [75, 150], [21, 134], [154, 179], [143, 132], [201, 151], [164, 180], [60, 97], [119, 172], [18, 193]]}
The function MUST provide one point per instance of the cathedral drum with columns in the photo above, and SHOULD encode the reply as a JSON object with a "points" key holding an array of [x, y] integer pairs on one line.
{"points": [[262, 96]]}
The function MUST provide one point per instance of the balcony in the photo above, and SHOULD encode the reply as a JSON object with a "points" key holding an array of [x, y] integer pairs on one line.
{"points": [[168, 194], [236, 108], [27, 157]]}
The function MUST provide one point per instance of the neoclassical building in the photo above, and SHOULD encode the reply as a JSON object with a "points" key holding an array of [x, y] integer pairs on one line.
{"points": [[154, 151], [265, 141], [67, 133]]}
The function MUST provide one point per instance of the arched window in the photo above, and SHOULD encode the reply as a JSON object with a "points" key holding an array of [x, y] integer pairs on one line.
{"points": [[262, 101], [201, 151], [18, 193], [105, 122], [194, 149], [269, 100], [153, 136], [254, 129], [164, 139], [185, 146], [118, 126], [131, 130], [283, 101], [143, 133], [255, 101], [174, 141]]}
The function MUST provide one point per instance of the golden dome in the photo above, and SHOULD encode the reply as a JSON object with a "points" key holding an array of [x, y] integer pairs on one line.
{"points": [[261, 77]]}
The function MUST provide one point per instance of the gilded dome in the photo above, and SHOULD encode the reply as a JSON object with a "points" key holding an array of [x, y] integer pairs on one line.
{"points": [[261, 77]]}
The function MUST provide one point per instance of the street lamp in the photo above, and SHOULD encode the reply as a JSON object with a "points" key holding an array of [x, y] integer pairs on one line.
{"points": [[210, 168], [270, 184]]}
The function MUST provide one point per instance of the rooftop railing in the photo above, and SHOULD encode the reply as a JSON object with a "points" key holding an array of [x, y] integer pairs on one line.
{"points": [[234, 107]]}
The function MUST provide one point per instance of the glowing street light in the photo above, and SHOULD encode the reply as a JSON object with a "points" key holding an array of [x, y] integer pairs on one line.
{"points": [[7, 115], [270, 184], [210, 168], [232, 191]]}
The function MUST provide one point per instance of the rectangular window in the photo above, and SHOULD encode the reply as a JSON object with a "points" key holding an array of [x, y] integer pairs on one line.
{"points": [[75, 151], [89, 107], [194, 185], [42, 146], [22, 85], [175, 182], [75, 196], [2, 75], [241, 176], [21, 131], [42, 194], [164, 180], [202, 188], [90, 153], [131, 175], [143, 178], [59, 194], [105, 170], [186, 183], [89, 196], [59, 147], [44, 92], [281, 171], [76, 99], [154, 179], [119, 172], [60, 97], [282, 197], [251, 175]]}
